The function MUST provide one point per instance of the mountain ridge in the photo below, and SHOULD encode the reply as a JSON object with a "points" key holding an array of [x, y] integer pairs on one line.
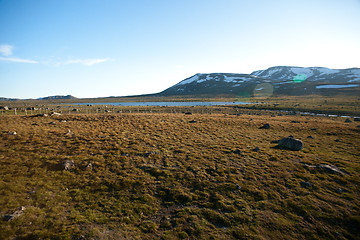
{"points": [[274, 80]]}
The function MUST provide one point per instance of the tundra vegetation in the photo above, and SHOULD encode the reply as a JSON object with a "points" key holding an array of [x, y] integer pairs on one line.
{"points": [[178, 173]]}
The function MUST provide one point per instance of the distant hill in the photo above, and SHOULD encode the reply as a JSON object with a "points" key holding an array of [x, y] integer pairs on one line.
{"points": [[8, 99], [57, 97], [275, 80]]}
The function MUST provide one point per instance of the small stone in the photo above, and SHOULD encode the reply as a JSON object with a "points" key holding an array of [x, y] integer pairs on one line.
{"points": [[69, 133], [16, 214], [337, 140], [306, 185], [265, 126], [192, 121], [311, 137], [256, 149], [12, 133], [68, 165], [89, 167], [348, 120], [237, 151], [330, 168], [55, 114]]}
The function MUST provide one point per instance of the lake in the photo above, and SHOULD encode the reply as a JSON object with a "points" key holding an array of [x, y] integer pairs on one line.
{"points": [[165, 104]]}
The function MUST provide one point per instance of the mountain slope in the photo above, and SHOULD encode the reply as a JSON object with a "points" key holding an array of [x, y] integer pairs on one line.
{"points": [[57, 97], [319, 74], [280, 80]]}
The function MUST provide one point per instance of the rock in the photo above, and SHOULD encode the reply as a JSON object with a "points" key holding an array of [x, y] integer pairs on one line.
{"points": [[16, 214], [256, 149], [52, 123], [330, 168], [192, 121], [291, 143], [188, 113], [306, 185], [348, 120], [89, 167], [69, 133], [313, 129], [75, 110], [4, 108], [68, 165], [325, 167], [357, 119], [295, 122], [237, 151], [12, 133], [311, 137], [40, 115], [265, 126], [337, 140], [55, 114]]}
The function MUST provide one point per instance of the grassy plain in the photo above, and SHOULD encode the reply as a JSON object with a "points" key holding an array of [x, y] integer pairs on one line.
{"points": [[158, 173]]}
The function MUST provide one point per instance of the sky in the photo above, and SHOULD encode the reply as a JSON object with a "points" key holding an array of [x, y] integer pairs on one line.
{"points": [[101, 48]]}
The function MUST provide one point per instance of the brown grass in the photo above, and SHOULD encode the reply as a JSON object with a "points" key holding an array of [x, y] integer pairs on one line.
{"points": [[160, 176]]}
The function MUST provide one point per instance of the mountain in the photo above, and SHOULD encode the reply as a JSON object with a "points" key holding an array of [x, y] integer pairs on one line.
{"points": [[318, 74], [275, 80], [7, 99], [57, 97]]}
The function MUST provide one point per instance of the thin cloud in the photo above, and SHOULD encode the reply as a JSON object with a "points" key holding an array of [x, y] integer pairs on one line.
{"points": [[85, 62], [6, 50], [18, 60]]}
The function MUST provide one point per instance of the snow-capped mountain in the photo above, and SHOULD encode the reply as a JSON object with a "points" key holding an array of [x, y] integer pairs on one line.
{"points": [[311, 74], [281, 79]]}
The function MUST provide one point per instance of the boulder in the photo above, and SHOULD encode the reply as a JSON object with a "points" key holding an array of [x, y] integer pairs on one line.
{"points": [[291, 143]]}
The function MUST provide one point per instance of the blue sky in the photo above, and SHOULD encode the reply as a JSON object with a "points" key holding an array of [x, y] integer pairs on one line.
{"points": [[99, 48]]}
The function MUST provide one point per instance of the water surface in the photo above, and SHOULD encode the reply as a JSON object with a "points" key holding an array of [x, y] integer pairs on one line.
{"points": [[166, 104]]}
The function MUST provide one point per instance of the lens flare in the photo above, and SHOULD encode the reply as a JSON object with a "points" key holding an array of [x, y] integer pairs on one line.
{"points": [[299, 78]]}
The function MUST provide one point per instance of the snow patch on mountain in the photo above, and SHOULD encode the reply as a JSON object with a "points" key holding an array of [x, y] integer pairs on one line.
{"points": [[338, 86], [297, 71], [189, 80]]}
